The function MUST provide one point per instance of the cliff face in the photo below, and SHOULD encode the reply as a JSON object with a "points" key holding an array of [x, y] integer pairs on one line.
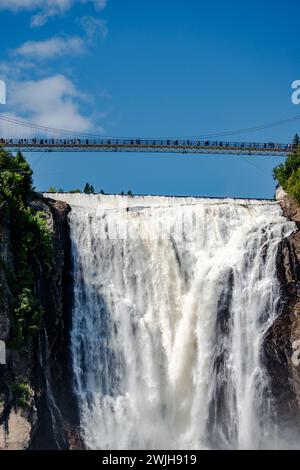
{"points": [[282, 345], [37, 409], [42, 412]]}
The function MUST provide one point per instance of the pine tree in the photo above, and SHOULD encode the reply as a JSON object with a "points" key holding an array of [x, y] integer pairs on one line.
{"points": [[87, 189], [296, 140]]}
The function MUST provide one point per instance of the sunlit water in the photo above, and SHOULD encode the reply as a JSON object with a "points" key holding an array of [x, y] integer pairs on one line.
{"points": [[172, 298]]}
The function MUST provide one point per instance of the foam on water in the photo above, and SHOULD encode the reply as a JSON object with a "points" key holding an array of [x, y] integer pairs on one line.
{"points": [[172, 299]]}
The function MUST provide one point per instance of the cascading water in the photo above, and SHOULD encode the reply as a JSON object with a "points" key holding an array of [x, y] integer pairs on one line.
{"points": [[172, 299]]}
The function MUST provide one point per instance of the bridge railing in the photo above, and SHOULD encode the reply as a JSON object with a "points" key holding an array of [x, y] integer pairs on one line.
{"points": [[118, 142]]}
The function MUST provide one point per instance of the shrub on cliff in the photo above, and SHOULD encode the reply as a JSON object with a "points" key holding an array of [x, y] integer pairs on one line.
{"points": [[23, 394], [30, 241], [288, 173]]}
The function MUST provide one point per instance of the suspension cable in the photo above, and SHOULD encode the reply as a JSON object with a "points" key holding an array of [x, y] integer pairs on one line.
{"points": [[246, 130]]}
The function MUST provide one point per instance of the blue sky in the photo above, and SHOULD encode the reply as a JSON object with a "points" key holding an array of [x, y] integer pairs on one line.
{"points": [[153, 68]]}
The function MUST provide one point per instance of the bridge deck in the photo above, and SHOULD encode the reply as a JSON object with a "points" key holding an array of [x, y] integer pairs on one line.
{"points": [[149, 145]]}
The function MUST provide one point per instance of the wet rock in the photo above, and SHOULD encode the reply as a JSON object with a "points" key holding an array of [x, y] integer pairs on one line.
{"points": [[50, 419], [282, 343], [17, 434]]}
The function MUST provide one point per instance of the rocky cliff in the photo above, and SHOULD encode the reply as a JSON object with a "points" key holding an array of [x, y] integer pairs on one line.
{"points": [[37, 409], [37, 406], [282, 344]]}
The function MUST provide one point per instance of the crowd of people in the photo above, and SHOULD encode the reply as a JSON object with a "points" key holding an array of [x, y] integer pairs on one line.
{"points": [[137, 142]]}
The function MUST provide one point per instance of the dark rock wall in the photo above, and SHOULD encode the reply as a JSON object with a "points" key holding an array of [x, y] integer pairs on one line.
{"points": [[282, 344], [49, 421], [57, 424]]}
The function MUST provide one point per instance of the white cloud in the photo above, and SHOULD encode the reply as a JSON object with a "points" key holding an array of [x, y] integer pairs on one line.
{"points": [[21, 69], [50, 48], [46, 9], [16, 5], [58, 46], [49, 10], [98, 4], [53, 101], [50, 102], [93, 27]]}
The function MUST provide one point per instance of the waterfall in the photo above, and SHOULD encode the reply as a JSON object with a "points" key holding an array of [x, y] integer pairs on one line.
{"points": [[172, 299]]}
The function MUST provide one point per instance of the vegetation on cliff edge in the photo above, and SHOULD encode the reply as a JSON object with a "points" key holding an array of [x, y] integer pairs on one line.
{"points": [[288, 173], [31, 244]]}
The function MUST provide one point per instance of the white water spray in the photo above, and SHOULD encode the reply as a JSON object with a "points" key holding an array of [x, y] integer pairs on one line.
{"points": [[172, 298]]}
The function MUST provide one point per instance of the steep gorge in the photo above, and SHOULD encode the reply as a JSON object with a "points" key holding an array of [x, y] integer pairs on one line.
{"points": [[176, 306], [36, 406], [192, 338]]}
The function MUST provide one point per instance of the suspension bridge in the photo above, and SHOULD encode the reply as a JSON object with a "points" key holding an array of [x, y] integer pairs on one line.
{"points": [[19, 135]]}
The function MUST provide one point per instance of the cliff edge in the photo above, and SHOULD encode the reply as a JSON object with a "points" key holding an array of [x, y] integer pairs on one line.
{"points": [[37, 408], [282, 345]]}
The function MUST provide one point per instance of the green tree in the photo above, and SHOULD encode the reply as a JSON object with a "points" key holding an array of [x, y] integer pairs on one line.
{"points": [[52, 189], [288, 173], [87, 189], [75, 191], [293, 185], [296, 140], [22, 394], [31, 244]]}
